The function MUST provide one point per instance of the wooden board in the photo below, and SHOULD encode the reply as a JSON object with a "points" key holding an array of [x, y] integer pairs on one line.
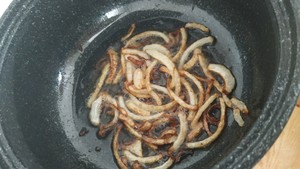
{"points": [[285, 153]]}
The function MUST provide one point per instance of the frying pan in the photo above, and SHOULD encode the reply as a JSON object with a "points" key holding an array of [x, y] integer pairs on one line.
{"points": [[49, 52]]}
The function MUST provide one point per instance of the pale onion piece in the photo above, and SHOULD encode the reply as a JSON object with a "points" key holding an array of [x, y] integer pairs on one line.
{"points": [[165, 165], [182, 45], [131, 106], [118, 77], [227, 100], [193, 25], [194, 132], [197, 44], [148, 75], [146, 116], [129, 72], [147, 34], [198, 85], [240, 105], [182, 132], [176, 82], [180, 101], [129, 33], [214, 136], [123, 63], [237, 117], [202, 109], [194, 59], [95, 112], [192, 96], [139, 53], [159, 48], [138, 78], [160, 89], [115, 149], [113, 60], [152, 108], [225, 73], [144, 160], [99, 85], [143, 93], [169, 64], [133, 131], [156, 98], [159, 141], [136, 148]]}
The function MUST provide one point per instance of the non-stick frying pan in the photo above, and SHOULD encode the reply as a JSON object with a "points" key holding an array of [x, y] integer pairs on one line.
{"points": [[49, 51]]}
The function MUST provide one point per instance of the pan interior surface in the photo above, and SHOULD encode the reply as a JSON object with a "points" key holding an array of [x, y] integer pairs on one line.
{"points": [[51, 68]]}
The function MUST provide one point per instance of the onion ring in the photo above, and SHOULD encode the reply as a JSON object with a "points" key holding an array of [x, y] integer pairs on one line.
{"points": [[129, 33], [194, 59], [99, 85], [182, 46], [197, 44], [182, 133], [160, 48], [144, 160], [193, 25], [145, 35], [206, 142], [115, 148]]}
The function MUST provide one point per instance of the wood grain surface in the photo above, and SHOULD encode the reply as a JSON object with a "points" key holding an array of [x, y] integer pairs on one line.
{"points": [[285, 153]]}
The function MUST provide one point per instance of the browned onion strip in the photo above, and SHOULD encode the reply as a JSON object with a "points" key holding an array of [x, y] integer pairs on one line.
{"points": [[113, 58], [165, 165], [123, 63], [99, 85], [124, 106], [193, 25], [198, 85], [148, 75], [159, 141], [160, 88], [170, 65], [194, 132], [159, 48], [237, 117], [145, 126], [225, 74], [144, 160], [116, 147], [131, 106], [152, 108], [197, 44], [136, 117], [135, 52], [239, 104], [135, 60], [135, 148], [202, 109], [214, 136], [182, 45], [192, 95], [147, 34], [156, 98], [142, 93], [136, 165], [180, 101], [194, 59], [182, 133], [170, 131], [118, 77], [132, 131], [129, 72], [138, 78], [125, 119], [129, 33], [104, 128]]}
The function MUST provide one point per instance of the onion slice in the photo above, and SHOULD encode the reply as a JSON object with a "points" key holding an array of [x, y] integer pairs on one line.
{"points": [[99, 85], [116, 147], [202, 109], [193, 25], [165, 165], [159, 48], [113, 58], [129, 33], [194, 59], [129, 72], [143, 160], [182, 133], [136, 148], [225, 74], [197, 44], [182, 45], [214, 136], [147, 34], [239, 104], [237, 117], [138, 78]]}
